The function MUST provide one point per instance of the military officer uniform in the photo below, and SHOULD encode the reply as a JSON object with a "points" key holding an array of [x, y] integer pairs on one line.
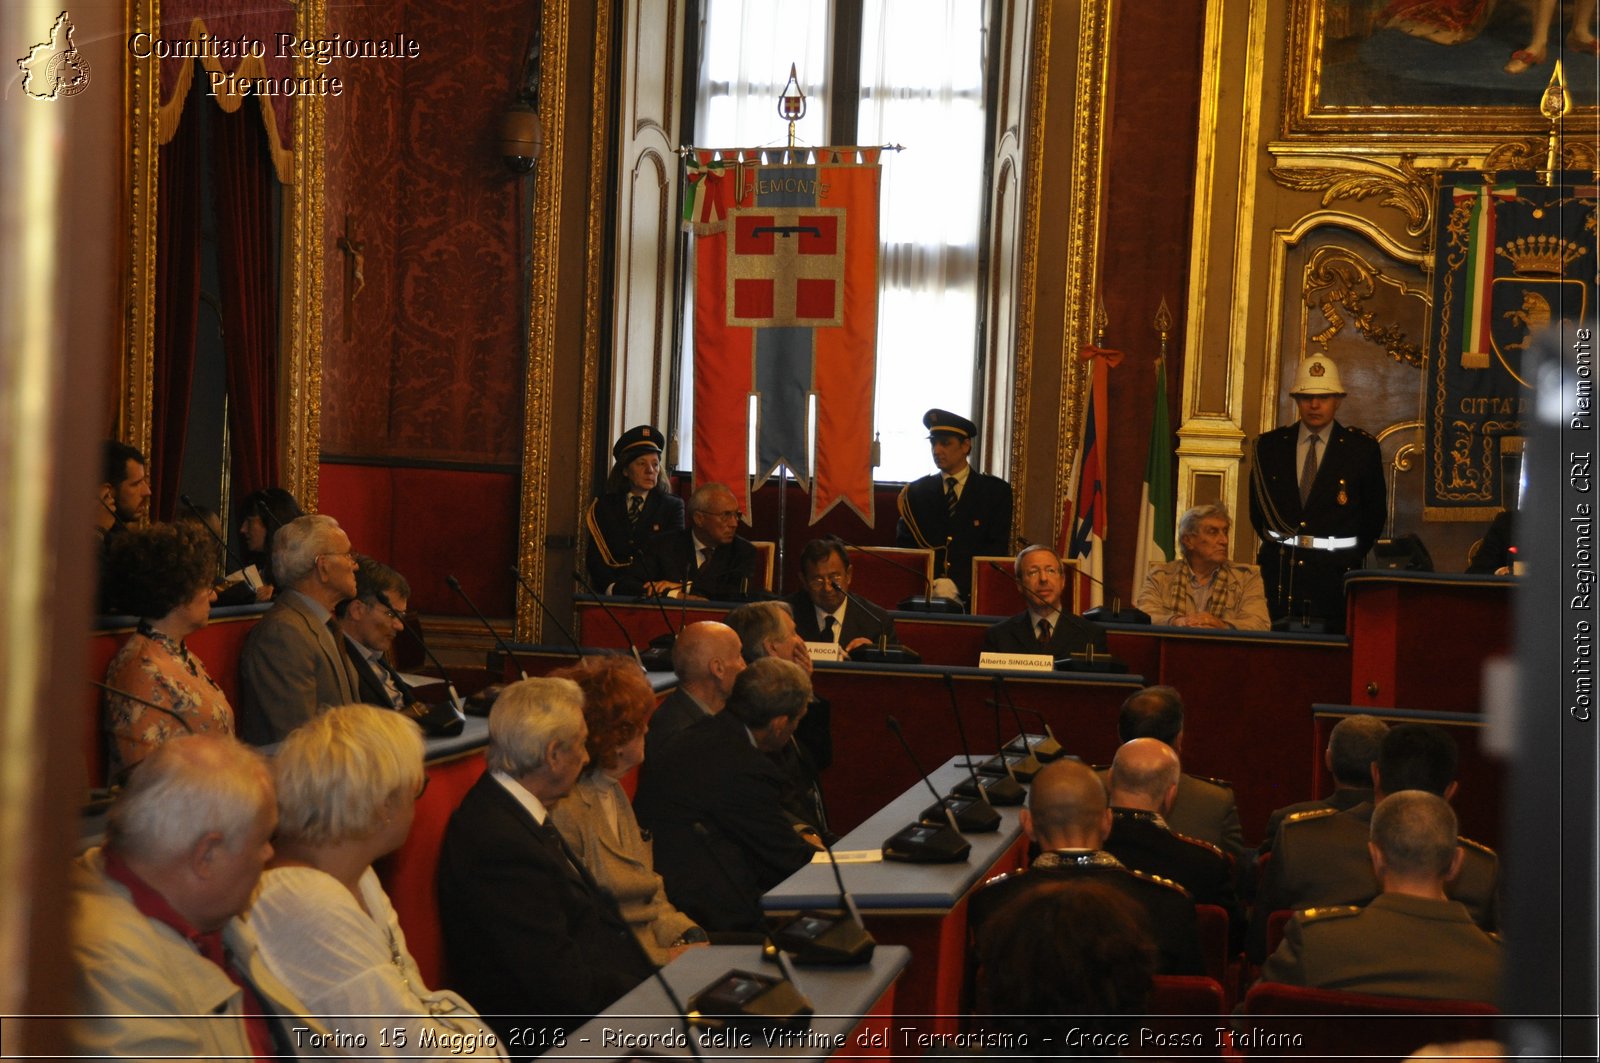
{"points": [[1144, 841], [1398, 945], [978, 525], [1313, 532], [620, 527], [1322, 860]]}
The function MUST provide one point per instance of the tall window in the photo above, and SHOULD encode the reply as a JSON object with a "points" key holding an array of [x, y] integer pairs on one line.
{"points": [[921, 84]]}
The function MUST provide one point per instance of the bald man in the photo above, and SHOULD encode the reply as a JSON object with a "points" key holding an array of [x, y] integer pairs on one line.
{"points": [[1068, 817], [1144, 783], [707, 659], [1411, 940]]}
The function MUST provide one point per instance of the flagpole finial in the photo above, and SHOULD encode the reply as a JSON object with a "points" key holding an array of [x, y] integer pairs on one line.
{"points": [[1100, 321], [1163, 324], [1554, 105], [792, 104]]}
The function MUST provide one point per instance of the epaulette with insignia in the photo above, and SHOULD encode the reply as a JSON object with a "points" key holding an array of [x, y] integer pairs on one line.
{"points": [[1310, 813], [1462, 839], [1333, 911], [1158, 880], [1353, 430], [1201, 843]]}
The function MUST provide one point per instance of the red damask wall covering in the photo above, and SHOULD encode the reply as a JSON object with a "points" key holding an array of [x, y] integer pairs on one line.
{"points": [[433, 367], [431, 371]]}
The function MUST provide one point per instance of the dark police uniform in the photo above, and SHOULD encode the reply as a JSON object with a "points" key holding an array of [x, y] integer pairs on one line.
{"points": [[1306, 549], [614, 539], [980, 525]]}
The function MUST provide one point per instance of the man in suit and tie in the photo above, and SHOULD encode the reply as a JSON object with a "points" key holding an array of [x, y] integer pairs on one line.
{"points": [[1317, 500], [530, 938], [958, 512], [708, 559], [826, 611], [370, 621], [293, 664], [1046, 627]]}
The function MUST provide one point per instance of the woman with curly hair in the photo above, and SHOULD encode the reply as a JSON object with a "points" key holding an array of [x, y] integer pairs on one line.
{"points": [[163, 575], [596, 818]]}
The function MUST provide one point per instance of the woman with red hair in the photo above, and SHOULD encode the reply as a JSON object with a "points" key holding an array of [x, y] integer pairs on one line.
{"points": [[596, 818]]}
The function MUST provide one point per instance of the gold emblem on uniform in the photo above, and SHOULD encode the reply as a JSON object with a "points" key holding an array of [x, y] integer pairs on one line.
{"points": [[1317, 369], [1344, 496]]}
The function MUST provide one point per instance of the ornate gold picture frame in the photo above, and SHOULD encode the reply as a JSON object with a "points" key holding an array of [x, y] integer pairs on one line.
{"points": [[1396, 75]]}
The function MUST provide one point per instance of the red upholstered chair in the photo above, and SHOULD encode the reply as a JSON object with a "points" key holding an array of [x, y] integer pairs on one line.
{"points": [[766, 550], [410, 875], [1183, 1011], [887, 575], [994, 587], [1331, 1023], [1212, 922]]}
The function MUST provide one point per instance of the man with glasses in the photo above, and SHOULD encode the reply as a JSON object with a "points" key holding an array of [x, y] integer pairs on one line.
{"points": [[370, 621], [1046, 626], [705, 560], [825, 610], [293, 664]]}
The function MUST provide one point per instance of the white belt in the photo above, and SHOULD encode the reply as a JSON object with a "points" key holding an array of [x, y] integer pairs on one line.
{"points": [[1314, 542]]}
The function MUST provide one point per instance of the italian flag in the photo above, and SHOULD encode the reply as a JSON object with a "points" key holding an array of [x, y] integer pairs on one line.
{"points": [[1475, 312], [1157, 520]]}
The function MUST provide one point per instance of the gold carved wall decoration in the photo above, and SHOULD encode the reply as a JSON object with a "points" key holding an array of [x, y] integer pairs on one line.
{"points": [[1529, 154], [1402, 187], [1338, 282]]}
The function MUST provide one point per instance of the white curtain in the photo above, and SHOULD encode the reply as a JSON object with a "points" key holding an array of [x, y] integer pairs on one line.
{"points": [[922, 86]]}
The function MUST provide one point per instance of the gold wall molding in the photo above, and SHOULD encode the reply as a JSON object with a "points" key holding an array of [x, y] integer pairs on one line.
{"points": [[542, 306], [1284, 242], [1402, 187], [1337, 283], [1027, 287], [1217, 323], [300, 263], [1084, 236]]}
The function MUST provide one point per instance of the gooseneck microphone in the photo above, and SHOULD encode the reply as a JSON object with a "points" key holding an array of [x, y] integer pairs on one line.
{"points": [[882, 652], [455, 585], [927, 602], [1019, 767], [457, 706], [627, 636], [577, 652], [823, 939], [972, 800], [201, 520], [926, 843], [1046, 747], [1000, 791]]}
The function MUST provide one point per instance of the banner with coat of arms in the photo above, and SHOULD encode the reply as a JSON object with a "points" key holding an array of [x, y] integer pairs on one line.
{"points": [[1513, 258], [785, 308]]}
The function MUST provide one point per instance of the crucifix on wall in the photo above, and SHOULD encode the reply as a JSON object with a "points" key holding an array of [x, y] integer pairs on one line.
{"points": [[354, 279]]}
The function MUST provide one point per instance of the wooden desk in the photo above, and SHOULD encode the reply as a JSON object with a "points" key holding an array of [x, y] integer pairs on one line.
{"points": [[1420, 638], [869, 767], [921, 906], [853, 1006]]}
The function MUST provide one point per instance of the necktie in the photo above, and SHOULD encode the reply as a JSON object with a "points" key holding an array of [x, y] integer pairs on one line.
{"points": [[392, 683], [1044, 633], [950, 494], [828, 633], [1308, 471], [635, 508]]}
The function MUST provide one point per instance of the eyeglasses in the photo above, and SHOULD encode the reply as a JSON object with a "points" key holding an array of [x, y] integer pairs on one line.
{"points": [[819, 582], [1035, 573], [727, 514], [348, 555]]}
